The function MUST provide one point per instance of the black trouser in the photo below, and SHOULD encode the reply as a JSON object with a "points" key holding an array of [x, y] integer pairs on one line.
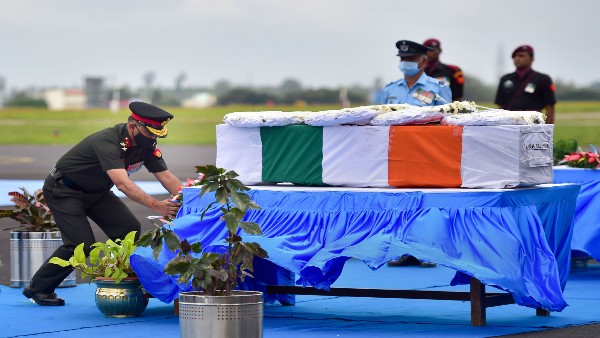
{"points": [[71, 209]]}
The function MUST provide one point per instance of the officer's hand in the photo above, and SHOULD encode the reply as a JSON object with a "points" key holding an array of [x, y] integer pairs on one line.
{"points": [[166, 207]]}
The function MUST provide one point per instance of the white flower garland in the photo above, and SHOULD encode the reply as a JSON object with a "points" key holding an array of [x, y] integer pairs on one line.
{"points": [[494, 117], [457, 107], [407, 117], [421, 115], [455, 113], [391, 107], [358, 115], [263, 119]]}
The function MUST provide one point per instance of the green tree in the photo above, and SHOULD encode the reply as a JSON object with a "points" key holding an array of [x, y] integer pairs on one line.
{"points": [[22, 99]]}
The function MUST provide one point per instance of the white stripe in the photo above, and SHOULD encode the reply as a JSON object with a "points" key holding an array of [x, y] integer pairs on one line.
{"points": [[240, 149], [495, 156], [356, 156]]}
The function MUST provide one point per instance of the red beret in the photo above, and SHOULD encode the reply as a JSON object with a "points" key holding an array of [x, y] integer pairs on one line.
{"points": [[523, 48], [435, 43]]}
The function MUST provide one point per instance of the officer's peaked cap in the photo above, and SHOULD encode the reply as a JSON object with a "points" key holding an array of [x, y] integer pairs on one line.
{"points": [[410, 48], [152, 117]]}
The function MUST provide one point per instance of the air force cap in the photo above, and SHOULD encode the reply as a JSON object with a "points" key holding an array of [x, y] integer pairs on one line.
{"points": [[410, 48], [153, 118]]}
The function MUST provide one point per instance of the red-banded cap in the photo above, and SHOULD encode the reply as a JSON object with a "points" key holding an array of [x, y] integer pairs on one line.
{"points": [[152, 117]]}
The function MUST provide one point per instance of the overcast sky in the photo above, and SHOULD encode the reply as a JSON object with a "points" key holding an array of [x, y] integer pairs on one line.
{"points": [[262, 42]]}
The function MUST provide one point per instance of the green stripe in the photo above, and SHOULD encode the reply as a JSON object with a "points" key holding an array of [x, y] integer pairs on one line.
{"points": [[292, 154]]}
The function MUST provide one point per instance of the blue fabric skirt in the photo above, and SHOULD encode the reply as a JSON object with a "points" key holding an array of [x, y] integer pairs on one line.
{"points": [[586, 231], [517, 240]]}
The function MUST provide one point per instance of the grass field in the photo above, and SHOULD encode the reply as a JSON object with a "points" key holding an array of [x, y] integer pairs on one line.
{"points": [[574, 120]]}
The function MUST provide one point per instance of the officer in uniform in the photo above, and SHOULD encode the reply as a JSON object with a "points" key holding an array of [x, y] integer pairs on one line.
{"points": [[416, 88], [526, 89], [450, 74], [79, 186]]}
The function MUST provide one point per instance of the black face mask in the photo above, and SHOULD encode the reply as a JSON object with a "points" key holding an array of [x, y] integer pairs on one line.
{"points": [[144, 141]]}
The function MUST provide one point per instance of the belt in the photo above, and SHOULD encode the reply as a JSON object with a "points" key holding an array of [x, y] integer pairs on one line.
{"points": [[59, 177]]}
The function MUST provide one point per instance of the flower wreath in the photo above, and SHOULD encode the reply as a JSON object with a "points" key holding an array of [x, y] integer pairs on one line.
{"points": [[582, 159]]}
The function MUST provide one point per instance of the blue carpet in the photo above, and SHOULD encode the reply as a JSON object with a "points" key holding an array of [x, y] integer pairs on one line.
{"points": [[317, 316], [6, 186]]}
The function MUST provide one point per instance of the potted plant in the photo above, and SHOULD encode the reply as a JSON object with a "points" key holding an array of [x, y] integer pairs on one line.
{"points": [[214, 307], [33, 239], [119, 292]]}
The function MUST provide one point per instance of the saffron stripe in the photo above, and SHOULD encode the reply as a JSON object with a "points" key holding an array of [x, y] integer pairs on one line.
{"points": [[425, 156]]}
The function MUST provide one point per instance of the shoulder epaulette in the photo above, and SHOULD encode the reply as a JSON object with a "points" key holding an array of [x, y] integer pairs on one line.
{"points": [[437, 81], [453, 67], [391, 83]]}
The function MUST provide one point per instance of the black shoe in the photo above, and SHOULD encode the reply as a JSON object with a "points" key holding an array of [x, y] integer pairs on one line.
{"points": [[427, 265], [405, 261], [41, 298]]}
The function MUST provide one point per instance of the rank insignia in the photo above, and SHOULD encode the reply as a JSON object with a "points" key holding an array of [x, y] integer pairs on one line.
{"points": [[530, 88], [157, 153], [404, 46], [125, 144], [165, 122]]}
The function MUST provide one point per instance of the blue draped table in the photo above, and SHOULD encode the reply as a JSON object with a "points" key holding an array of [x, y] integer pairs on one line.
{"points": [[518, 240], [586, 230]]}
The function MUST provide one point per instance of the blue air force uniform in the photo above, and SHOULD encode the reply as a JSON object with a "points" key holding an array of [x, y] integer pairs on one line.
{"points": [[425, 92]]}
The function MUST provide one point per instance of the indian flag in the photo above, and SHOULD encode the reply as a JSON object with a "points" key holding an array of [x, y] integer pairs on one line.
{"points": [[383, 156]]}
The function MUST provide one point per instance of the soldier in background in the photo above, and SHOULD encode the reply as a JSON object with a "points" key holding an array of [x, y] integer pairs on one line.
{"points": [[450, 74], [526, 89]]}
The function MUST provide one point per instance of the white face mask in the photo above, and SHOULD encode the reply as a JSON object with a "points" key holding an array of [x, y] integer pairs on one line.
{"points": [[409, 68]]}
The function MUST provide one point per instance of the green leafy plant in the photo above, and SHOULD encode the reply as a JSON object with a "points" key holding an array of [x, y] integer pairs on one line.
{"points": [[213, 273], [109, 259], [30, 211], [562, 148]]}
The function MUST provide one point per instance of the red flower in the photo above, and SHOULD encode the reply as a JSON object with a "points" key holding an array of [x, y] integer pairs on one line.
{"points": [[582, 159]]}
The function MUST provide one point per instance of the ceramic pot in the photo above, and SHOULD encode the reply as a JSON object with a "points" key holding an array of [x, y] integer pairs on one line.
{"points": [[122, 300]]}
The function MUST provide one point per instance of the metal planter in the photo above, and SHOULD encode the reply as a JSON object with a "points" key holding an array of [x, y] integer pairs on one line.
{"points": [[28, 251], [237, 316]]}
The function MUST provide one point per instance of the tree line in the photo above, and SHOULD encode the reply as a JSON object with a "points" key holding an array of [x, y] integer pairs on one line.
{"points": [[291, 91]]}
